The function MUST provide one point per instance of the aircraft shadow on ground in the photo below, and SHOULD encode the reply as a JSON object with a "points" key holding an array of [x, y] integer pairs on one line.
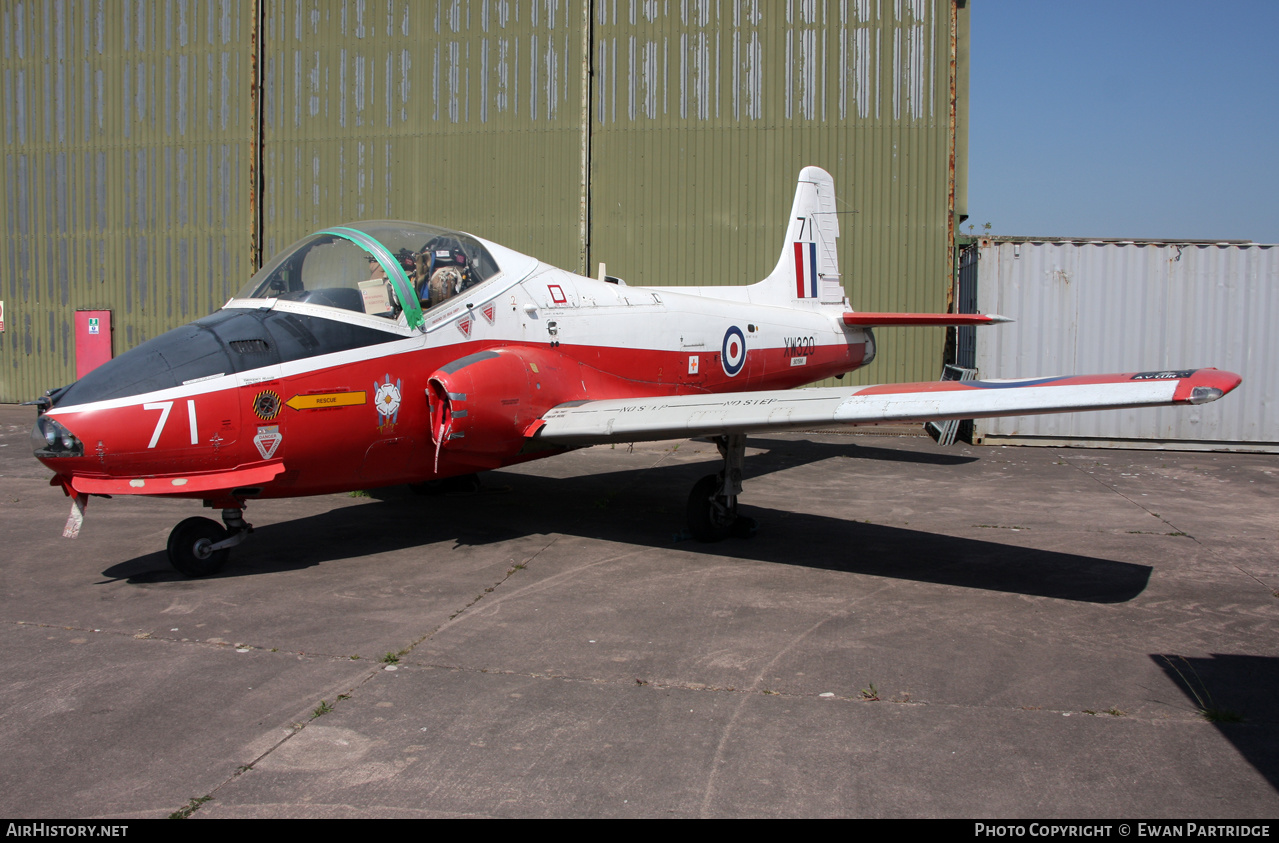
{"points": [[1240, 695], [645, 508]]}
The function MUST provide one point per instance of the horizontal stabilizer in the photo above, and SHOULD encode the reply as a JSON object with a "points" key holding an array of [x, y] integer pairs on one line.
{"points": [[871, 320], [646, 419]]}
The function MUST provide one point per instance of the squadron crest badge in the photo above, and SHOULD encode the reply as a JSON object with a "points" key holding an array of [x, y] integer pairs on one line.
{"points": [[386, 397]]}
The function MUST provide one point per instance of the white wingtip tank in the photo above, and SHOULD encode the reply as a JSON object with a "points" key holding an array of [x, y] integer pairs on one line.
{"points": [[807, 271]]}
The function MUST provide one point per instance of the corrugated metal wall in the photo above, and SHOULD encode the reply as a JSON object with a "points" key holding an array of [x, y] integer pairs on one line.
{"points": [[462, 114], [1093, 307], [152, 146], [126, 133], [705, 112]]}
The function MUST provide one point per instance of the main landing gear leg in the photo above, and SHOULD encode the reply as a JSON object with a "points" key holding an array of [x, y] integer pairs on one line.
{"points": [[712, 505], [199, 547]]}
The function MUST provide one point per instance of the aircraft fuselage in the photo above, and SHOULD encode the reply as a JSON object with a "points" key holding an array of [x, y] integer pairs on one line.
{"points": [[300, 399]]}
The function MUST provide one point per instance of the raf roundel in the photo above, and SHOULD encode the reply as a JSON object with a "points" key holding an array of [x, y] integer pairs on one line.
{"points": [[733, 353]]}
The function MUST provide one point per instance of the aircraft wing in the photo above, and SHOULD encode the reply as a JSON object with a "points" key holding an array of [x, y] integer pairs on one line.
{"points": [[644, 419]]}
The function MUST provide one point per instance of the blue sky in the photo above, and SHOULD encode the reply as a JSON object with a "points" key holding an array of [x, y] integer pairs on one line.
{"points": [[1127, 118]]}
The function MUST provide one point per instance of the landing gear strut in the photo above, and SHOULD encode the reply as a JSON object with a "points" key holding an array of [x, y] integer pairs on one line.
{"points": [[712, 505], [199, 547]]}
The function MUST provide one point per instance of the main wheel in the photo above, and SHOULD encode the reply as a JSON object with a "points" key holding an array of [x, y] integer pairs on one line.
{"points": [[189, 545], [710, 515]]}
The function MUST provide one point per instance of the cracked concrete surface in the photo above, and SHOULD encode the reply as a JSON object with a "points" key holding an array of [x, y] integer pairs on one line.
{"points": [[1040, 626]]}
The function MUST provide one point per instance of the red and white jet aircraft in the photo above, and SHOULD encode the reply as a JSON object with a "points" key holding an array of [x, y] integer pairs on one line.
{"points": [[383, 353]]}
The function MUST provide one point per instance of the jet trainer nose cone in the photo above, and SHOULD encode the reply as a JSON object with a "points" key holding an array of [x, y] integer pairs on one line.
{"points": [[50, 439], [228, 342]]}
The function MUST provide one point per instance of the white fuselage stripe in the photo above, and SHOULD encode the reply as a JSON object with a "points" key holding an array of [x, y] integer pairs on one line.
{"points": [[681, 313]]}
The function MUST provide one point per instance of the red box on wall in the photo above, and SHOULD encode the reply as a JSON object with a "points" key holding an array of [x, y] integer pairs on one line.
{"points": [[92, 340]]}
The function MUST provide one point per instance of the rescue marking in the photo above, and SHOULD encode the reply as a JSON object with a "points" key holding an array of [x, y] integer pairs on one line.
{"points": [[327, 400], [557, 293], [733, 355]]}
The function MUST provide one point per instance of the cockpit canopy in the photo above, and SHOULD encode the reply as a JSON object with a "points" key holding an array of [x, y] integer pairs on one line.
{"points": [[380, 268]]}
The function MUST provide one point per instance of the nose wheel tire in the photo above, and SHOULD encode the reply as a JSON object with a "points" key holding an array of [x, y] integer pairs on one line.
{"points": [[713, 517], [190, 543]]}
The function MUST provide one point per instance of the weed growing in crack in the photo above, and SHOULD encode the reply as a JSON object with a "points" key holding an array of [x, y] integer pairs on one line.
{"points": [[190, 808], [1208, 708]]}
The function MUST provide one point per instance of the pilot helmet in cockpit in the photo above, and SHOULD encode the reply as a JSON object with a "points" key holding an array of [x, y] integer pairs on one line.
{"points": [[447, 271]]}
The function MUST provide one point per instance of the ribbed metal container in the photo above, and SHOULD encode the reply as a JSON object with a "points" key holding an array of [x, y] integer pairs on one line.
{"points": [[1085, 307]]}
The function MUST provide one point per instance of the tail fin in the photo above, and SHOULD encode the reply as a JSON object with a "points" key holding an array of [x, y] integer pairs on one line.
{"points": [[808, 269], [807, 273]]}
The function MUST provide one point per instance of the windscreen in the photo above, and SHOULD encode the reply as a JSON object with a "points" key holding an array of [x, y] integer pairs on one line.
{"points": [[381, 268]]}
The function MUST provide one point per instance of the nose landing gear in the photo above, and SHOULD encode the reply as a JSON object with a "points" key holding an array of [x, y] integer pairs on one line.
{"points": [[712, 505], [199, 547]]}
